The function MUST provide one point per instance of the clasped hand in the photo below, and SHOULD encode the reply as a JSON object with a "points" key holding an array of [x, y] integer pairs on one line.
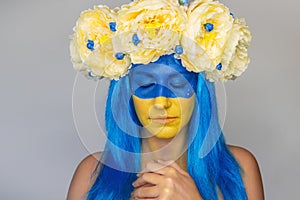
{"points": [[164, 180]]}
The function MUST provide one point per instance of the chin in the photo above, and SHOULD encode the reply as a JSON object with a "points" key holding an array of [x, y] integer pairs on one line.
{"points": [[165, 133], [165, 136]]}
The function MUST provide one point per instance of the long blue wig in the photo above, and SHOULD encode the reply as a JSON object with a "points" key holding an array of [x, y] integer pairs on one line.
{"points": [[214, 169]]}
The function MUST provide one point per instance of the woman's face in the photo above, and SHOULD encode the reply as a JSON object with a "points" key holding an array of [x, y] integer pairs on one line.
{"points": [[163, 97]]}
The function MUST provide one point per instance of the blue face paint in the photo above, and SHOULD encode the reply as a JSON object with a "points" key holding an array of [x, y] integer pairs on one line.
{"points": [[169, 79]]}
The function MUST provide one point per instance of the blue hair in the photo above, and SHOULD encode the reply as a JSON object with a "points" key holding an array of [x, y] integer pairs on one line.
{"points": [[217, 168]]}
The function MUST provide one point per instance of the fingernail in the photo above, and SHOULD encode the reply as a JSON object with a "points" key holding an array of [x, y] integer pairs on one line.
{"points": [[161, 161]]}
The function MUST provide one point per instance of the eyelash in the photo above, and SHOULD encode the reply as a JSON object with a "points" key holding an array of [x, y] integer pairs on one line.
{"points": [[147, 85], [178, 84], [175, 85]]}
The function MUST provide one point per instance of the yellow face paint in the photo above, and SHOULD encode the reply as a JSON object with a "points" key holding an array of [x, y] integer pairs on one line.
{"points": [[164, 117]]}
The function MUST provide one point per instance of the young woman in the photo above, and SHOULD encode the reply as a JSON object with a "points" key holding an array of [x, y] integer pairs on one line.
{"points": [[164, 140]]}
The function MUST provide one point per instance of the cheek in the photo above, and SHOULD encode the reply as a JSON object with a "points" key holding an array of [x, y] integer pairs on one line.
{"points": [[186, 108], [142, 109]]}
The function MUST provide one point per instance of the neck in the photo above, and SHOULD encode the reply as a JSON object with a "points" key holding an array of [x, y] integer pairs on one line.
{"points": [[154, 148]]}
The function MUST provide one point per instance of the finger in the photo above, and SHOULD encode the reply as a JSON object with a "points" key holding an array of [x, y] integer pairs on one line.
{"points": [[146, 192], [173, 164], [145, 178], [145, 184]]}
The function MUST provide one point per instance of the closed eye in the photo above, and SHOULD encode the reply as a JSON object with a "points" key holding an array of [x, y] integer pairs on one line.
{"points": [[178, 84], [146, 85]]}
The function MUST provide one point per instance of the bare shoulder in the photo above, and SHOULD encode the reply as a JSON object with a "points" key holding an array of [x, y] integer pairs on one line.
{"points": [[83, 177], [251, 174], [243, 156]]}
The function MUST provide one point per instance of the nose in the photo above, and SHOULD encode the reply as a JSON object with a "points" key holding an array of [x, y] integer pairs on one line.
{"points": [[163, 90], [162, 102]]}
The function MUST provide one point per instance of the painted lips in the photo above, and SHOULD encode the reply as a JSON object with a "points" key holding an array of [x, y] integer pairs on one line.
{"points": [[163, 120]]}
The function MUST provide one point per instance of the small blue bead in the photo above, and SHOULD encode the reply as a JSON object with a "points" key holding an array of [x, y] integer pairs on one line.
{"points": [[90, 45], [232, 15], [112, 26], [90, 73], [179, 49], [209, 27], [219, 66], [183, 2], [135, 39], [119, 56]]}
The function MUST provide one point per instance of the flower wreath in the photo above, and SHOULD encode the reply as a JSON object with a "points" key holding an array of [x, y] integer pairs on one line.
{"points": [[204, 34]]}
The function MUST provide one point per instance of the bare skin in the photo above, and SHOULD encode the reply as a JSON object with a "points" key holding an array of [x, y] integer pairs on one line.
{"points": [[83, 177], [82, 180]]}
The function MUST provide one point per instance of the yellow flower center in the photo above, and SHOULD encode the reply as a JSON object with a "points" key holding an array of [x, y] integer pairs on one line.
{"points": [[103, 39], [152, 25]]}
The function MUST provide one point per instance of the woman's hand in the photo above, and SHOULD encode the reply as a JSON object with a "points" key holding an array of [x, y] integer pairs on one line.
{"points": [[164, 180]]}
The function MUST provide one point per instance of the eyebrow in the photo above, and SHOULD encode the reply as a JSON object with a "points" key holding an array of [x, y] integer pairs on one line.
{"points": [[180, 74], [142, 73], [172, 74]]}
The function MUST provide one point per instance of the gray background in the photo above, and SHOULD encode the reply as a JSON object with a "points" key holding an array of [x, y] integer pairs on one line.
{"points": [[40, 147]]}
